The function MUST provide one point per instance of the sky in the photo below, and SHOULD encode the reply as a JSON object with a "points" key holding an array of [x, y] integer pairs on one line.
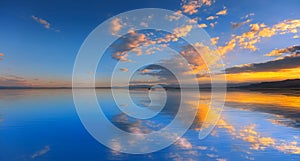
{"points": [[257, 40]]}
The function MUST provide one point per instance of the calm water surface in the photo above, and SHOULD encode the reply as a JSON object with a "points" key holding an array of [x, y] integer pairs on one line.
{"points": [[44, 125]]}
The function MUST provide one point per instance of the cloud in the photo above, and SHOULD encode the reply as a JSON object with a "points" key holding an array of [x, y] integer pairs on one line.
{"points": [[279, 52], [124, 69], [222, 12], [203, 25], [1, 54], [249, 39], [122, 56], [258, 142], [236, 25], [291, 148], [41, 152], [177, 33], [296, 37], [213, 24], [116, 26], [214, 40], [195, 61], [162, 74], [176, 16], [228, 47], [183, 143], [287, 62], [12, 80], [221, 159], [131, 42], [211, 17], [44, 22], [41, 21], [248, 15], [192, 6], [182, 31], [144, 24]]}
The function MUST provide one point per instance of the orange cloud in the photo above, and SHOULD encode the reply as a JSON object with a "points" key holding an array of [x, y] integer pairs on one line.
{"points": [[41, 21], [176, 16], [13, 80], [122, 56], [291, 147], [214, 40], [249, 39], [131, 43], [228, 47], [1, 54], [248, 134], [116, 26], [192, 6], [203, 25], [222, 12], [284, 68], [124, 69], [211, 17], [200, 63], [182, 31], [279, 52]]}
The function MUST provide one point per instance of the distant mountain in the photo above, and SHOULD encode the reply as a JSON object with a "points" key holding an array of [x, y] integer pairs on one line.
{"points": [[289, 83]]}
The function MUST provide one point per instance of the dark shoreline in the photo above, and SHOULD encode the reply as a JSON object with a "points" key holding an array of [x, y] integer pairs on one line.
{"points": [[168, 88]]}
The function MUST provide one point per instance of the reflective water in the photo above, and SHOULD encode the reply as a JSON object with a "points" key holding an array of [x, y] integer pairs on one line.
{"points": [[44, 125]]}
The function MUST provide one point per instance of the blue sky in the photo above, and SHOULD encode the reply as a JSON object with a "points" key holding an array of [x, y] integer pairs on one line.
{"points": [[33, 51]]}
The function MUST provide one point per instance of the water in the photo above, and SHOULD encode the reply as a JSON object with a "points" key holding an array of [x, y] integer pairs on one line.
{"points": [[44, 125]]}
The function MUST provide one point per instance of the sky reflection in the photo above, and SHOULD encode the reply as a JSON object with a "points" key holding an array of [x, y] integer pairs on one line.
{"points": [[50, 129]]}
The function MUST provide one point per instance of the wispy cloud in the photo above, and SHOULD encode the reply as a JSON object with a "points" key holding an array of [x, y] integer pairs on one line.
{"points": [[43, 22], [41, 152], [124, 69], [13, 80], [1, 55], [236, 25]]}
